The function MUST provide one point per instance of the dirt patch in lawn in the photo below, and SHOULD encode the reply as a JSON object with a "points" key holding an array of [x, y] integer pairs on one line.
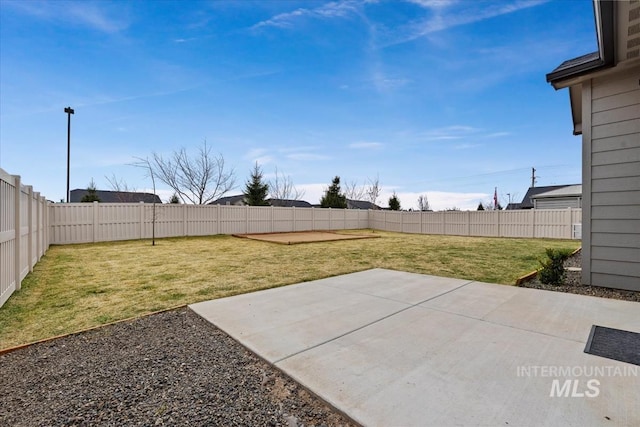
{"points": [[298, 237]]}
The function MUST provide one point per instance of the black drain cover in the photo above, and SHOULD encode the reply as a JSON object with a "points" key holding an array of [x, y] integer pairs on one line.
{"points": [[615, 344]]}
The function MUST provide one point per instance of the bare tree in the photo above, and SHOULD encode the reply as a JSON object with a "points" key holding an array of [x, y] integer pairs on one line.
{"points": [[146, 164], [353, 191], [124, 193], [373, 190], [198, 180], [282, 188], [423, 203]]}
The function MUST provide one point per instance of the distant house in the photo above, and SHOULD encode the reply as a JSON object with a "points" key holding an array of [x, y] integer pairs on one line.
{"points": [[361, 204], [286, 203], [528, 199], [115, 196], [238, 200], [569, 196], [604, 93]]}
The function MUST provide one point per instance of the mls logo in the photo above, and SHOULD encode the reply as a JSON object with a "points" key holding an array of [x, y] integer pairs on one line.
{"points": [[571, 388]]}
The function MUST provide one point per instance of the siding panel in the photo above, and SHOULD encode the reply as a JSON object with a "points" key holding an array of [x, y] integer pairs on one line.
{"points": [[617, 198], [619, 142], [622, 169], [616, 254], [615, 212], [616, 281], [619, 100], [629, 155], [615, 240], [613, 85], [616, 184], [621, 114], [613, 175], [629, 127]]}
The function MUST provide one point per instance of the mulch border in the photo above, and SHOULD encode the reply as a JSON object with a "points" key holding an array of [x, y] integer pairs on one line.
{"points": [[531, 275]]}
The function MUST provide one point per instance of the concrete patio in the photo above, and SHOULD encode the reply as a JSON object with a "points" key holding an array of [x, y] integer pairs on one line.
{"points": [[394, 348]]}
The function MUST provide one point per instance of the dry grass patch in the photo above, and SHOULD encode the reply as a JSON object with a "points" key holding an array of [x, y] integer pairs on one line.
{"points": [[79, 286]]}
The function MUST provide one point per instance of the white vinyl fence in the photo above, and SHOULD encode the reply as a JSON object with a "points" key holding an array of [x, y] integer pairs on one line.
{"points": [[29, 224], [101, 222], [24, 232], [534, 223]]}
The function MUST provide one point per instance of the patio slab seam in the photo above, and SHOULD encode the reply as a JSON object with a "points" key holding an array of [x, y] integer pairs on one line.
{"points": [[359, 328], [491, 322]]}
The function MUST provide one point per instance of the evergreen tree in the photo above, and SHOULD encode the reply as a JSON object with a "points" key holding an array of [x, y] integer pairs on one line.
{"points": [[92, 193], [174, 200], [480, 207], [394, 202], [256, 191], [333, 197]]}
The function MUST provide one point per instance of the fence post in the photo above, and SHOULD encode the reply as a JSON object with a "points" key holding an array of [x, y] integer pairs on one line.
{"points": [[246, 219], [95, 221], [185, 224], [218, 219], [468, 223], [570, 227], [329, 218], [141, 208], [444, 222], [313, 218], [293, 210], [532, 221], [38, 228], [29, 227], [17, 226]]}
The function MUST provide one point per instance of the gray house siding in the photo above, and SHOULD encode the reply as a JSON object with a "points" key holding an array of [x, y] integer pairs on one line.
{"points": [[557, 203], [611, 179]]}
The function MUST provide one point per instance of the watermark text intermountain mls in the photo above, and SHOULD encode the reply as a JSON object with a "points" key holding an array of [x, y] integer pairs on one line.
{"points": [[576, 381]]}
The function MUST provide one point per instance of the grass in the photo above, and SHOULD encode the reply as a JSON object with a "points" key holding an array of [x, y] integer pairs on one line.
{"points": [[75, 287]]}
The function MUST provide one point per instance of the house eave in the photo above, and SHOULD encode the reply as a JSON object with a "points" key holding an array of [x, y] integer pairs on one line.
{"points": [[565, 76]]}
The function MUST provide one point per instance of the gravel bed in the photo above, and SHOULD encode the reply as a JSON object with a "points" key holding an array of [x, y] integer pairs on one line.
{"points": [[171, 368], [572, 284]]}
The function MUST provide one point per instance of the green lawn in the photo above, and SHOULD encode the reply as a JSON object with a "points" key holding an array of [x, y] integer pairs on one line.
{"points": [[75, 287]]}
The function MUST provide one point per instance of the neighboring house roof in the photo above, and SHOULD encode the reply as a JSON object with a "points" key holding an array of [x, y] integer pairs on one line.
{"points": [[229, 200], [568, 191], [513, 207], [527, 202], [361, 204], [238, 200], [569, 72], [285, 203], [106, 196]]}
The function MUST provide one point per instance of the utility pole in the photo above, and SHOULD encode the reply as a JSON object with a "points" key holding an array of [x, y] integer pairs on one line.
{"points": [[533, 177], [69, 112]]}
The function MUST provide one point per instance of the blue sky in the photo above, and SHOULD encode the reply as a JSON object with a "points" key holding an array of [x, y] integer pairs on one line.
{"points": [[443, 98]]}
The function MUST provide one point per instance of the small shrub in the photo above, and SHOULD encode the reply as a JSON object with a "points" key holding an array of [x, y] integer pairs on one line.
{"points": [[552, 271]]}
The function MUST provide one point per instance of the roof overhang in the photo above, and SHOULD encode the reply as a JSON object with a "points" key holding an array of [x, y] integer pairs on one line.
{"points": [[604, 57], [571, 73]]}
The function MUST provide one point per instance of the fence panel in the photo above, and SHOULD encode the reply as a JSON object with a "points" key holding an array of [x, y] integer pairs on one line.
{"points": [[23, 232]]}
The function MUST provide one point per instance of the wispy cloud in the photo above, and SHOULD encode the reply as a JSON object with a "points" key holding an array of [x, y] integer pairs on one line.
{"points": [[449, 133], [307, 156], [497, 135], [466, 146], [366, 145], [88, 14], [336, 9], [443, 15]]}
